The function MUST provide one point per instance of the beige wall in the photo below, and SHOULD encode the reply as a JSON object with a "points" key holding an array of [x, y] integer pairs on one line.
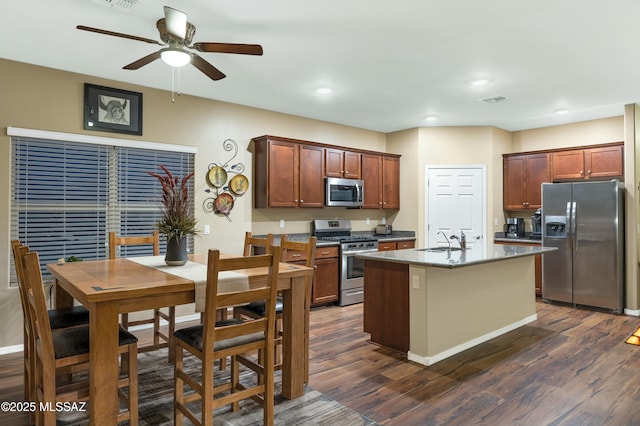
{"points": [[46, 99], [576, 134], [446, 146]]}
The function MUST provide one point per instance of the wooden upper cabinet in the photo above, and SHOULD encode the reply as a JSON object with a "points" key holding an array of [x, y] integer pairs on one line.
{"points": [[523, 176], [311, 177], [372, 177], [602, 162], [568, 164], [287, 174], [605, 162], [291, 173], [390, 182], [381, 175], [342, 164]]}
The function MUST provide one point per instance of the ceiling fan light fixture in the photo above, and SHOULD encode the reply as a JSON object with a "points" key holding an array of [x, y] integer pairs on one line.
{"points": [[175, 57]]}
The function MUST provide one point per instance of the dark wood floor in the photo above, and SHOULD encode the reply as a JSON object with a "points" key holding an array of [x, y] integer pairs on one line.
{"points": [[570, 367]]}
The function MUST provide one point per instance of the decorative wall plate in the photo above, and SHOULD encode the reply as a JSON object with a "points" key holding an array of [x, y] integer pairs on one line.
{"points": [[239, 184], [224, 203], [217, 176]]}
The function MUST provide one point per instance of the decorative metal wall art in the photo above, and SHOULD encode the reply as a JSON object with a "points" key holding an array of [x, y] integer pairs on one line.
{"points": [[226, 183]]}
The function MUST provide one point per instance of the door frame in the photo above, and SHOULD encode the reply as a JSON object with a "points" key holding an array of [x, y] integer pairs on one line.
{"points": [[483, 186]]}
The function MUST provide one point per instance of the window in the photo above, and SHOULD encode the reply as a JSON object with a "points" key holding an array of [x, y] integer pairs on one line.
{"points": [[67, 195]]}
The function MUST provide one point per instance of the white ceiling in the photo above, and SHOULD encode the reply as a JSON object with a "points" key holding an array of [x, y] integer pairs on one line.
{"points": [[389, 64]]}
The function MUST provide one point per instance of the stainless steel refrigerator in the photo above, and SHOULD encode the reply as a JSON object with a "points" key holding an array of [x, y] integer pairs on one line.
{"points": [[585, 221]]}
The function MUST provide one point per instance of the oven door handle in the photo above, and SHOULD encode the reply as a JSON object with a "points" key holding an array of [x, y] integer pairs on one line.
{"points": [[347, 253]]}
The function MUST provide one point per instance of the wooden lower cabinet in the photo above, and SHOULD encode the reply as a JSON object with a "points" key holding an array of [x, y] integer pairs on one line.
{"points": [[326, 277], [396, 245], [537, 260], [386, 304]]}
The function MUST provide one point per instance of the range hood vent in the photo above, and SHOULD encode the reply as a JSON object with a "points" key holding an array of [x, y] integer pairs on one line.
{"points": [[493, 99]]}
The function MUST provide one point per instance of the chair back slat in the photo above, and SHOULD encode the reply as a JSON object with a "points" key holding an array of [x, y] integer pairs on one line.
{"points": [[251, 242], [138, 240], [264, 291], [18, 251], [37, 305], [308, 248]]}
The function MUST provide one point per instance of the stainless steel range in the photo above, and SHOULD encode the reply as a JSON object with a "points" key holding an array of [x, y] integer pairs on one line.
{"points": [[351, 268]]}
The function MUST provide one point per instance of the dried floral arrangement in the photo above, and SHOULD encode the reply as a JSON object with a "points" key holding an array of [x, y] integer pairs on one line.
{"points": [[177, 219]]}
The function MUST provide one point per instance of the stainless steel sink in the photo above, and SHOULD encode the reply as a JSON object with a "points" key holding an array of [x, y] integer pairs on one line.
{"points": [[439, 249]]}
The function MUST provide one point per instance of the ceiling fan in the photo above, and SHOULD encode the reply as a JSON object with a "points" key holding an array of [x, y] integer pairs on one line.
{"points": [[176, 35]]}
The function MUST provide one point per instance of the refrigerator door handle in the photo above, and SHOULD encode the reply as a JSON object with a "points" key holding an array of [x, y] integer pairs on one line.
{"points": [[574, 225]]}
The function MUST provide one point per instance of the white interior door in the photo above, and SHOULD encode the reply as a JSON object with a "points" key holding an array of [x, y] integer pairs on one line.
{"points": [[455, 202]]}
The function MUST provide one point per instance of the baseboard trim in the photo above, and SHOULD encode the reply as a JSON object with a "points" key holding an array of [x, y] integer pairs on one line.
{"points": [[430, 360], [632, 312]]}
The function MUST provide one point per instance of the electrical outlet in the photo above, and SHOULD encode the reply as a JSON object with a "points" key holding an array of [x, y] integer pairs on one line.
{"points": [[416, 281], [207, 229], [368, 221], [281, 223]]}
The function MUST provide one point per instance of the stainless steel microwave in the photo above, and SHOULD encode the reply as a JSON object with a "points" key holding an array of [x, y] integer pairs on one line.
{"points": [[344, 192]]}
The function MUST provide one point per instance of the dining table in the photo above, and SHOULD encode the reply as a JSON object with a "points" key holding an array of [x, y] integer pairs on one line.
{"points": [[108, 288]]}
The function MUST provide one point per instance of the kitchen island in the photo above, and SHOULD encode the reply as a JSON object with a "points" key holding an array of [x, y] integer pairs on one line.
{"points": [[434, 303]]}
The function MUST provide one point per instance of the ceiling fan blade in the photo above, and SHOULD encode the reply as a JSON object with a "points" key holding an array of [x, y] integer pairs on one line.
{"points": [[176, 22], [243, 49], [212, 72], [142, 61], [113, 33]]}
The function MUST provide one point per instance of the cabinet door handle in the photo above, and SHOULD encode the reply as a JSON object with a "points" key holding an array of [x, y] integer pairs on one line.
{"points": [[324, 252], [581, 172], [296, 255], [588, 172]]}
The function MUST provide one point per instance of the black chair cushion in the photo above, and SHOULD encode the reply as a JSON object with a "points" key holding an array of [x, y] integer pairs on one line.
{"points": [[68, 317], [193, 336], [75, 341], [258, 307]]}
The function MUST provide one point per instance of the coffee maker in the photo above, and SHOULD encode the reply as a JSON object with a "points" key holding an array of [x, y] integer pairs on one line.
{"points": [[536, 225], [514, 228]]}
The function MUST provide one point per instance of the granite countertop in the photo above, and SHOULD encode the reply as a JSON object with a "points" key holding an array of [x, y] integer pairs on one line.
{"points": [[526, 238], [456, 258], [395, 236], [518, 240]]}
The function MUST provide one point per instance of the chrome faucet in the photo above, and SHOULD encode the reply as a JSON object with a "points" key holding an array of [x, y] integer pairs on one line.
{"points": [[462, 240], [445, 237]]}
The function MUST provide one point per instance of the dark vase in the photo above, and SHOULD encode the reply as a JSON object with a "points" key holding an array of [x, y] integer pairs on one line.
{"points": [[176, 252]]}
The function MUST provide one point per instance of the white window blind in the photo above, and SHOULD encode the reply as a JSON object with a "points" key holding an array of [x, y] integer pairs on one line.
{"points": [[67, 196]]}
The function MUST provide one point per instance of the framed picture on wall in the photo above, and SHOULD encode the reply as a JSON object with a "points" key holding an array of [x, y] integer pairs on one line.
{"points": [[112, 110]]}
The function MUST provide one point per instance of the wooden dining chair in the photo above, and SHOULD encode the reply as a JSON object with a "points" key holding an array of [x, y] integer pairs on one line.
{"points": [[58, 318], [251, 243], [170, 316], [209, 342], [297, 252], [66, 352]]}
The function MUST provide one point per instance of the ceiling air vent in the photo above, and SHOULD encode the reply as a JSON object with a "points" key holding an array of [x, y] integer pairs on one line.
{"points": [[122, 5], [493, 99]]}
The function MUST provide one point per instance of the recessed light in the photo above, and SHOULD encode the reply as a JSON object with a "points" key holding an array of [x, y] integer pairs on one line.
{"points": [[562, 111], [431, 118], [479, 82], [323, 90]]}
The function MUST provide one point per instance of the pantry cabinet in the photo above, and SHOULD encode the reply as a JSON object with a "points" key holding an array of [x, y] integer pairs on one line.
{"points": [[602, 162], [522, 179]]}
